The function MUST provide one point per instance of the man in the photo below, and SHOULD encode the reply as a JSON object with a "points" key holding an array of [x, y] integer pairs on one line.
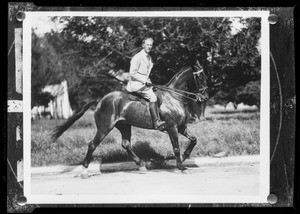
{"points": [[140, 69]]}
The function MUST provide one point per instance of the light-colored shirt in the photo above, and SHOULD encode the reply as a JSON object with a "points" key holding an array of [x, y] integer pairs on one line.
{"points": [[140, 69]]}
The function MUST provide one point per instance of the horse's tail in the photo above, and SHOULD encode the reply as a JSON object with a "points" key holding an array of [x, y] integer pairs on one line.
{"points": [[59, 130]]}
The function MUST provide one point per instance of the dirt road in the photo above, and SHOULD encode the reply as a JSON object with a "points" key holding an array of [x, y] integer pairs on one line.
{"points": [[218, 178]]}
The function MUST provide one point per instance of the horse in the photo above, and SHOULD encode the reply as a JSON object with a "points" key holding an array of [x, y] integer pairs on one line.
{"points": [[116, 109]]}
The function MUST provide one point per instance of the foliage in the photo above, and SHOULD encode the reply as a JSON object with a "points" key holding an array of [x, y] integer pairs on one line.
{"points": [[224, 97], [248, 94], [46, 69], [88, 48], [41, 98]]}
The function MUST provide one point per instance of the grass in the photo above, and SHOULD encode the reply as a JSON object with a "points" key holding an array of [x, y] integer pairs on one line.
{"points": [[235, 132]]}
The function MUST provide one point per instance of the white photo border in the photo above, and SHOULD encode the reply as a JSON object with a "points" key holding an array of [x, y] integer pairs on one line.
{"points": [[117, 199]]}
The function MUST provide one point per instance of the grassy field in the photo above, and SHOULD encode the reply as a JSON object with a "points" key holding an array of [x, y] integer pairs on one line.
{"points": [[232, 131]]}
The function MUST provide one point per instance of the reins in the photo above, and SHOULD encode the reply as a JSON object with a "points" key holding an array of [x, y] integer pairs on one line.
{"points": [[177, 91], [182, 93]]}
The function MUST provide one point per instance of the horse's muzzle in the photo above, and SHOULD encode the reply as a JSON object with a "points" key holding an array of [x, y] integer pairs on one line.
{"points": [[201, 97]]}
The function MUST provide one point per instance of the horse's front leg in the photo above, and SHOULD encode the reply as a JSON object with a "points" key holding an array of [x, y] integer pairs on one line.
{"points": [[193, 141], [202, 111], [173, 134]]}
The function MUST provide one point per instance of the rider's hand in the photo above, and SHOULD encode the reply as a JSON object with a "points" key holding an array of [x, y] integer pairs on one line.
{"points": [[148, 84]]}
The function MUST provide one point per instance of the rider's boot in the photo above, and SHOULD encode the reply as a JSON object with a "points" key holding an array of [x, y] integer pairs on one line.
{"points": [[158, 124]]}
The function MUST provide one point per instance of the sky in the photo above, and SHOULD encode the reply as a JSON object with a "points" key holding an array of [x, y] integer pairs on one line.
{"points": [[43, 24], [236, 25]]}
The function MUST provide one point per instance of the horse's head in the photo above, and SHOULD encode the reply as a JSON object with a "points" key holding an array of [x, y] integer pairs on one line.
{"points": [[191, 79], [200, 84]]}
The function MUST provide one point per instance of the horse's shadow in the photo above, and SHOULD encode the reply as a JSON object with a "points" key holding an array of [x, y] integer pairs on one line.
{"points": [[153, 159], [146, 152]]}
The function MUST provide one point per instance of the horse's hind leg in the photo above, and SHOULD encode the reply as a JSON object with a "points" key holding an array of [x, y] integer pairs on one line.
{"points": [[91, 148], [101, 134], [125, 130]]}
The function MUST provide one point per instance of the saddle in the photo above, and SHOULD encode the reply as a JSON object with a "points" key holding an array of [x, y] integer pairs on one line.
{"points": [[136, 96]]}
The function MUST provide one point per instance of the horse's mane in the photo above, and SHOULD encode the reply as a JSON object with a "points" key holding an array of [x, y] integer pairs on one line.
{"points": [[179, 73]]}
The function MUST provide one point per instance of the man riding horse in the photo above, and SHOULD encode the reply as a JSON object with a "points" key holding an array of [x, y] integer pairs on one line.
{"points": [[117, 109], [140, 69]]}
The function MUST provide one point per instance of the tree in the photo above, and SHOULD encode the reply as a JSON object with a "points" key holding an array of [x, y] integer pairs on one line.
{"points": [[46, 69], [224, 97], [90, 47], [240, 62], [248, 94]]}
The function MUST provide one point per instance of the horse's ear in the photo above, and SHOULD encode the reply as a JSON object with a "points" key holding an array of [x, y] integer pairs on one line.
{"points": [[198, 66]]}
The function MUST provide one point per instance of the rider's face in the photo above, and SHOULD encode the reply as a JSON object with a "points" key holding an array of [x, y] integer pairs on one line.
{"points": [[148, 46]]}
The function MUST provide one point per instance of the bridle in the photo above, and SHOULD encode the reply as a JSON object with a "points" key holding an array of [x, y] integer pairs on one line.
{"points": [[196, 75], [187, 94]]}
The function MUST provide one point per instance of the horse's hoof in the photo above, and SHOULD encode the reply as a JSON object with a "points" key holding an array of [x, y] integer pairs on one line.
{"points": [[84, 173], [84, 176], [185, 170], [202, 119], [183, 158], [143, 169]]}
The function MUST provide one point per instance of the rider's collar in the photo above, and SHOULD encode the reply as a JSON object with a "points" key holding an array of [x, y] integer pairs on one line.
{"points": [[144, 53]]}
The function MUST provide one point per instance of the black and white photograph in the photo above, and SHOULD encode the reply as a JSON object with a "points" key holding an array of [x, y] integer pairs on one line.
{"points": [[146, 107]]}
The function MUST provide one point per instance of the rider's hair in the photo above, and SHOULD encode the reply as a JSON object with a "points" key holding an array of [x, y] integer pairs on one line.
{"points": [[147, 38]]}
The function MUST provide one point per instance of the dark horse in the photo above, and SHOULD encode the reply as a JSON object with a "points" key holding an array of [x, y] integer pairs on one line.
{"points": [[116, 109]]}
